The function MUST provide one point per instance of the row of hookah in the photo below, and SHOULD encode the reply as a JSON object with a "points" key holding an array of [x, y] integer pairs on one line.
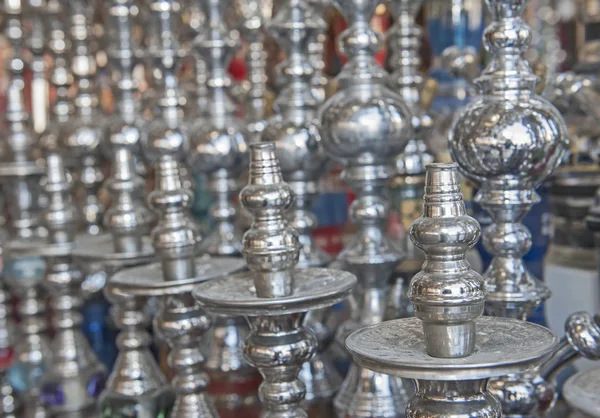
{"points": [[364, 125]]}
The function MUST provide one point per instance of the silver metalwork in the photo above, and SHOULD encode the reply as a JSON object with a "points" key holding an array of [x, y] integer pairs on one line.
{"points": [[74, 378], [175, 240], [258, 98], [364, 125], [508, 140], [20, 175], [35, 12], [404, 45], [450, 361], [218, 146], [320, 82], [10, 405], [83, 134], [273, 296], [299, 152]]}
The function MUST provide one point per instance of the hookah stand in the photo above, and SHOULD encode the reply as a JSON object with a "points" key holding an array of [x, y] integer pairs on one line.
{"points": [[136, 381], [10, 405], [86, 129], [507, 168], [322, 87], [20, 177], [364, 125], [218, 146], [404, 45], [258, 98], [219, 152], [273, 296], [302, 161], [449, 349], [35, 14], [74, 378], [175, 240]]}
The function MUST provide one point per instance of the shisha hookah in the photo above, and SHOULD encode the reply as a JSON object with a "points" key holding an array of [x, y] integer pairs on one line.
{"points": [[73, 378], [450, 350], [83, 135], [20, 175], [218, 150], [365, 125], [508, 140], [273, 296], [302, 161], [179, 321], [404, 44], [136, 380], [35, 13]]}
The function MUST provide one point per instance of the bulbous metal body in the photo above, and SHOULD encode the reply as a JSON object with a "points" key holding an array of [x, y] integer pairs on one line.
{"points": [[508, 140], [364, 125], [275, 305]]}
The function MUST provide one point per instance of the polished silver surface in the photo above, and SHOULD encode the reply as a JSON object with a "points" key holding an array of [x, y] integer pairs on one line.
{"points": [[365, 125], [582, 391], [218, 145], [448, 296], [74, 378], [508, 140], [81, 137], [273, 296], [534, 393], [503, 346], [449, 349]]}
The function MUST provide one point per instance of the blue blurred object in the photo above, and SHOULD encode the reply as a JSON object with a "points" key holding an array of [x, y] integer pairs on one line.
{"points": [[99, 330], [331, 208], [538, 222]]}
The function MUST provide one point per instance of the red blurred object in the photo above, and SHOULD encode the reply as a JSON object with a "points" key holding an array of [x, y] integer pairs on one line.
{"points": [[237, 69], [329, 238], [7, 355]]}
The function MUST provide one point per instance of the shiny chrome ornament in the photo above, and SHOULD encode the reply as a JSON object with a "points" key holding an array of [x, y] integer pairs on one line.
{"points": [[74, 378], [508, 140], [36, 15], [218, 145], [179, 321], [273, 296], [364, 125], [320, 82], [83, 135], [450, 361], [298, 150]]}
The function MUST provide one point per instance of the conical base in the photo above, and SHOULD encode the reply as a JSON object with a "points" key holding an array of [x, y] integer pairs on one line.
{"points": [[366, 394]]}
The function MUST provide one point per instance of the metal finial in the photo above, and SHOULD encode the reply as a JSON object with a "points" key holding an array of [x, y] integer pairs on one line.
{"points": [[447, 294], [271, 247], [175, 237], [127, 219]]}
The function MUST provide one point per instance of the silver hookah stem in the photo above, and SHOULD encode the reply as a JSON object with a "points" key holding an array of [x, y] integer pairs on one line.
{"points": [[258, 98], [273, 296], [302, 161], [36, 11], [451, 361], [448, 296], [20, 177], [165, 52], [86, 129], [364, 125], [75, 378], [180, 321], [320, 83], [218, 145], [508, 166]]}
